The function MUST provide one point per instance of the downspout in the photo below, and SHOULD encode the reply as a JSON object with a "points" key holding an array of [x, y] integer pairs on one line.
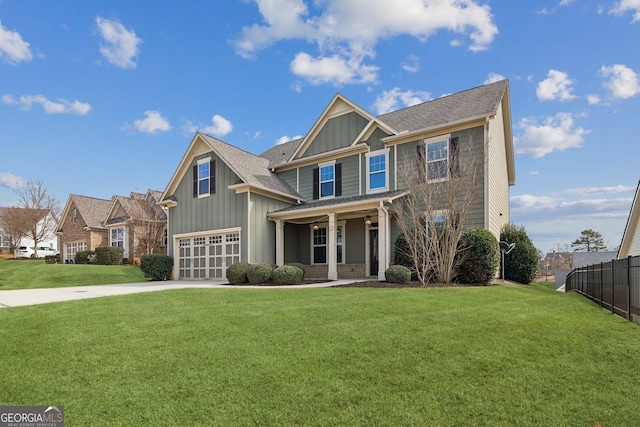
{"points": [[248, 226]]}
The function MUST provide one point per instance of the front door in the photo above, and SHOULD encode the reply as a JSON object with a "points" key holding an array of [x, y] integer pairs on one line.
{"points": [[373, 251]]}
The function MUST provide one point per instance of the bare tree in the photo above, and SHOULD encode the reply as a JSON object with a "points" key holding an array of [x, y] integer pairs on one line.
{"points": [[40, 211], [14, 225], [148, 224], [441, 185]]}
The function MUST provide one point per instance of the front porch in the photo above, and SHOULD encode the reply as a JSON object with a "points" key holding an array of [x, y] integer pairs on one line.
{"points": [[337, 238]]}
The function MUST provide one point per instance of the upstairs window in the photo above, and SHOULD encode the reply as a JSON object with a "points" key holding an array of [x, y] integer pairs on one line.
{"points": [[204, 178], [377, 171], [439, 158], [327, 181]]}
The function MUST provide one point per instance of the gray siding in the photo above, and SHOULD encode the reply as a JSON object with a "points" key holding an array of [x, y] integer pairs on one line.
{"points": [[349, 178], [290, 177], [471, 145], [375, 140], [224, 209], [261, 231], [355, 250], [337, 133], [297, 243]]}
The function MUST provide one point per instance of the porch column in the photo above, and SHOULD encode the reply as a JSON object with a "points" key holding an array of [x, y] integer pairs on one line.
{"points": [[332, 252], [383, 227], [279, 242]]}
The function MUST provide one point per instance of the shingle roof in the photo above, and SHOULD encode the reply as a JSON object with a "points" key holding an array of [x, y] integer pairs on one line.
{"points": [[340, 201], [479, 101], [93, 211], [280, 153], [253, 170]]}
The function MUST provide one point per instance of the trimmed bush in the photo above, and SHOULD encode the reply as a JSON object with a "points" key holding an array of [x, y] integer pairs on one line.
{"points": [[287, 275], [521, 264], [300, 266], [237, 273], [51, 259], [259, 273], [478, 257], [84, 257], [109, 255], [397, 274], [156, 266]]}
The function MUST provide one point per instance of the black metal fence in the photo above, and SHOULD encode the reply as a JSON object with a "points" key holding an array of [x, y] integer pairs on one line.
{"points": [[614, 285]]}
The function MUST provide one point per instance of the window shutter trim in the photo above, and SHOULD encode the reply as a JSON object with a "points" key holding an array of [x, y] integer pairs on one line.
{"points": [[195, 180], [338, 176]]}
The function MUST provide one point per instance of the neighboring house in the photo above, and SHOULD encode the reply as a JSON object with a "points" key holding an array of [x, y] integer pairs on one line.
{"points": [[88, 222], [46, 226], [326, 200], [137, 224], [630, 245]]}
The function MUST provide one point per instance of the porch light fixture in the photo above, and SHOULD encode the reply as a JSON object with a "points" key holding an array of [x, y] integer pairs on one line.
{"points": [[315, 225], [367, 220]]}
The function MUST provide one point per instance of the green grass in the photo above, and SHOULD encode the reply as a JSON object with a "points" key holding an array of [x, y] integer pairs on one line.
{"points": [[500, 355], [32, 274]]}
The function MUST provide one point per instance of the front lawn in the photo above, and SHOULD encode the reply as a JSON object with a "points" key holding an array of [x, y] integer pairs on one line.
{"points": [[498, 355], [34, 273]]}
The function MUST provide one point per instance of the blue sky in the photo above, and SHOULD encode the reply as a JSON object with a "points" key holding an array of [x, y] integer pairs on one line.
{"points": [[103, 98]]}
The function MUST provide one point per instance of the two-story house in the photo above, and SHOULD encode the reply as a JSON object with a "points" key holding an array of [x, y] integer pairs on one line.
{"points": [[327, 200], [135, 223]]}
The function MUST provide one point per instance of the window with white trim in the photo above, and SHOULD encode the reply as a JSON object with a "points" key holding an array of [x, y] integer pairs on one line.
{"points": [[327, 181], [377, 176], [117, 237], [204, 174], [319, 241], [437, 159]]}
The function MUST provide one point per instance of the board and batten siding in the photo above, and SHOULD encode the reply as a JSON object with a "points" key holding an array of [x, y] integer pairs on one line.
{"points": [[261, 232], [350, 178], [498, 176], [221, 210], [338, 132], [471, 146]]}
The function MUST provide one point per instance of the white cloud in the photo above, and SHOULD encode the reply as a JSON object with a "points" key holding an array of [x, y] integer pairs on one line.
{"points": [[120, 45], [557, 85], [12, 48], [537, 206], [624, 6], [11, 181], [220, 127], [286, 138], [494, 77], [622, 81], [62, 106], [593, 99], [556, 133], [394, 99], [566, 2], [601, 190], [411, 64], [346, 32], [152, 123], [335, 69]]}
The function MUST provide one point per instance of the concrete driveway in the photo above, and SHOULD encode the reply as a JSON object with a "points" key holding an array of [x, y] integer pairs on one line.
{"points": [[23, 297]]}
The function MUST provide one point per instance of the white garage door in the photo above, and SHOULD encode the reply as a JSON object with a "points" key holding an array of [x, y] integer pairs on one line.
{"points": [[207, 256]]}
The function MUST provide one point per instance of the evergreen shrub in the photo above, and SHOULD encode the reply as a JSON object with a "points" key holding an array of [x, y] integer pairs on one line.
{"points": [[237, 273], [287, 275], [156, 266], [397, 274]]}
